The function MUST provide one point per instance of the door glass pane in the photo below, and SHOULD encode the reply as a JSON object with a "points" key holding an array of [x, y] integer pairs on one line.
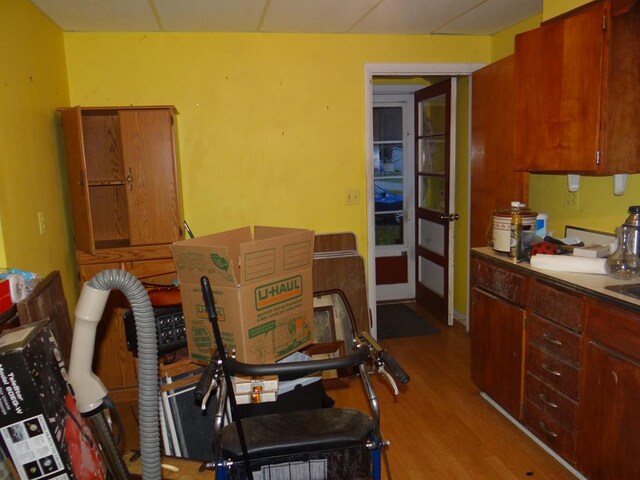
{"points": [[431, 193], [431, 151], [388, 211], [388, 174], [431, 276], [387, 124], [388, 159], [432, 116], [431, 236]]}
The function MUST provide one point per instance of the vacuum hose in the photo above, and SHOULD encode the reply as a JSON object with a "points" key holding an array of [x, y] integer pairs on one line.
{"points": [[87, 318]]}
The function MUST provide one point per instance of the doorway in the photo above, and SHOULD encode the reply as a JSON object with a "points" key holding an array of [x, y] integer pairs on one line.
{"points": [[391, 71], [393, 177]]}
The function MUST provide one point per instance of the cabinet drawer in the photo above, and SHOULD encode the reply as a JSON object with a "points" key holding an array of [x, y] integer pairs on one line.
{"points": [[557, 340], [616, 328], [555, 304], [561, 440], [552, 371], [500, 281], [553, 403], [153, 271]]}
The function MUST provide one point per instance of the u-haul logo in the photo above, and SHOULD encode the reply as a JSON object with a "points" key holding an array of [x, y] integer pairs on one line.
{"points": [[278, 292]]}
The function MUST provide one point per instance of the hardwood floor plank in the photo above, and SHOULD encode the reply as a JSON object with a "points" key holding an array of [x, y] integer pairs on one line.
{"points": [[439, 426]]}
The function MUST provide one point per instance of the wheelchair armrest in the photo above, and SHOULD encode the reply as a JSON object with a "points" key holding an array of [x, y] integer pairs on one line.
{"points": [[295, 369]]}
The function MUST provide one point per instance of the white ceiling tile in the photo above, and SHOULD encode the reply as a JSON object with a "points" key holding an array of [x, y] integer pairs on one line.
{"points": [[320, 16], [292, 16], [210, 15], [412, 16], [100, 15], [492, 16]]}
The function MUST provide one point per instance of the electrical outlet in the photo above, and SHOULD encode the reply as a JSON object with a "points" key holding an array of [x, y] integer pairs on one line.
{"points": [[571, 200], [42, 225], [352, 196]]}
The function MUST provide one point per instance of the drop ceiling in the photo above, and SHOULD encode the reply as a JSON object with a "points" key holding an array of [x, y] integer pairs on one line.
{"points": [[389, 17]]}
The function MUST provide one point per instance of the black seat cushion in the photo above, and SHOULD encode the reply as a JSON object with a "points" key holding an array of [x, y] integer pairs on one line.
{"points": [[297, 432]]}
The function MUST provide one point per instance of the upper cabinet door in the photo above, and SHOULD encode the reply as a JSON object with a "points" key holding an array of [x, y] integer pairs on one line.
{"points": [[78, 179], [576, 99], [558, 97], [148, 153]]}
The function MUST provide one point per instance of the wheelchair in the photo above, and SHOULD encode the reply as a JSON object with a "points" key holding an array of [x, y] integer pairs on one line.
{"points": [[318, 443]]}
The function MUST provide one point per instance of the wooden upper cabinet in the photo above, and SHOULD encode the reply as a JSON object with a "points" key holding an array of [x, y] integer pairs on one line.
{"points": [[492, 148], [123, 176], [576, 95]]}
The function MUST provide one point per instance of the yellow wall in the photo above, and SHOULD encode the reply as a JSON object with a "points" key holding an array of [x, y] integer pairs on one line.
{"points": [[271, 126], [502, 42], [461, 246], [553, 8], [33, 82]]}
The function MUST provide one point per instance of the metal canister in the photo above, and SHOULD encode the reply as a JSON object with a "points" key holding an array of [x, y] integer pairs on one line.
{"points": [[633, 220]]}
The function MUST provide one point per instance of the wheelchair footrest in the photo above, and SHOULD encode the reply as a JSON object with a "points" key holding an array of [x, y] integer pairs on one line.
{"points": [[297, 432]]}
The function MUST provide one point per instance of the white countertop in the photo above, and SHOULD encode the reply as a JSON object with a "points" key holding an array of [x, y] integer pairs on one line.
{"points": [[593, 283]]}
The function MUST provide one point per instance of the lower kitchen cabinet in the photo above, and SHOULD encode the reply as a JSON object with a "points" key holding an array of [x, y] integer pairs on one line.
{"points": [[497, 338], [563, 361], [609, 430], [497, 334]]}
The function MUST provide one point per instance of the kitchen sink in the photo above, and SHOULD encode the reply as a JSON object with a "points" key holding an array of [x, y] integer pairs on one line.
{"points": [[631, 290]]}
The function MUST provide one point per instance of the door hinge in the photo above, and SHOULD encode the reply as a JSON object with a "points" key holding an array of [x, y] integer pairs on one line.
{"points": [[597, 157]]}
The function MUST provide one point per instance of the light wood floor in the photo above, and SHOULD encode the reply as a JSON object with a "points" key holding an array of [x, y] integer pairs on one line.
{"points": [[440, 428]]}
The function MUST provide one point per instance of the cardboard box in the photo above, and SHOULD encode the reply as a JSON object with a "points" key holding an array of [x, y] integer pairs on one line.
{"points": [[40, 427], [262, 287]]}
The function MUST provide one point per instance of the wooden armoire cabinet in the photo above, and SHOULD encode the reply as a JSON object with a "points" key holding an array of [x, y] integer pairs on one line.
{"points": [[123, 187], [576, 96]]}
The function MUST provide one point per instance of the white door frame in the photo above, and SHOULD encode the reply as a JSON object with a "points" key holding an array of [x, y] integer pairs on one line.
{"points": [[391, 69]]}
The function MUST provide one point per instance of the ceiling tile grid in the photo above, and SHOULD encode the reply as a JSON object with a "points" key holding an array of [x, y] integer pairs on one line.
{"points": [[394, 17]]}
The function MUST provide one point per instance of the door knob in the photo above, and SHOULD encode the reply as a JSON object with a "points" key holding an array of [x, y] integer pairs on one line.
{"points": [[451, 217]]}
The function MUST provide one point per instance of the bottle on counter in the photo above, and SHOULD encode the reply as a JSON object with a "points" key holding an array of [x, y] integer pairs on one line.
{"points": [[515, 243]]}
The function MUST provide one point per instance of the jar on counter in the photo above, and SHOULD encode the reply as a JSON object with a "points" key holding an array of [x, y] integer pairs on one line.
{"points": [[624, 263], [501, 221]]}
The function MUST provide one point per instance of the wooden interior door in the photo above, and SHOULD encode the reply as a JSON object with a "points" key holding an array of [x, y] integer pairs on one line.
{"points": [[150, 175], [435, 146]]}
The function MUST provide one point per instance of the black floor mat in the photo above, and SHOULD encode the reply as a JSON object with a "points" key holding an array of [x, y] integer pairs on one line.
{"points": [[396, 320]]}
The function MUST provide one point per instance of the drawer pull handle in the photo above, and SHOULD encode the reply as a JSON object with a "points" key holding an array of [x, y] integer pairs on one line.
{"points": [[548, 402], [547, 369], [546, 430], [547, 338]]}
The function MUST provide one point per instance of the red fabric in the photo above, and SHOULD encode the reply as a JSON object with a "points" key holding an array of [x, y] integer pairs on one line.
{"points": [[545, 247]]}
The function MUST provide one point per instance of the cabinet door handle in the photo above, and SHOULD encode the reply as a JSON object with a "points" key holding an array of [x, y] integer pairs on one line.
{"points": [[550, 370], [546, 430], [555, 341], [548, 402], [130, 180]]}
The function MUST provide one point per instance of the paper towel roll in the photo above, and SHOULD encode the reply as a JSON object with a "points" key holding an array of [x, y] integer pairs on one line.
{"points": [[569, 263]]}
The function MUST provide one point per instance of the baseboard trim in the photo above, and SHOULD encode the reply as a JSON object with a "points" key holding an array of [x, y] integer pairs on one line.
{"points": [[557, 457]]}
